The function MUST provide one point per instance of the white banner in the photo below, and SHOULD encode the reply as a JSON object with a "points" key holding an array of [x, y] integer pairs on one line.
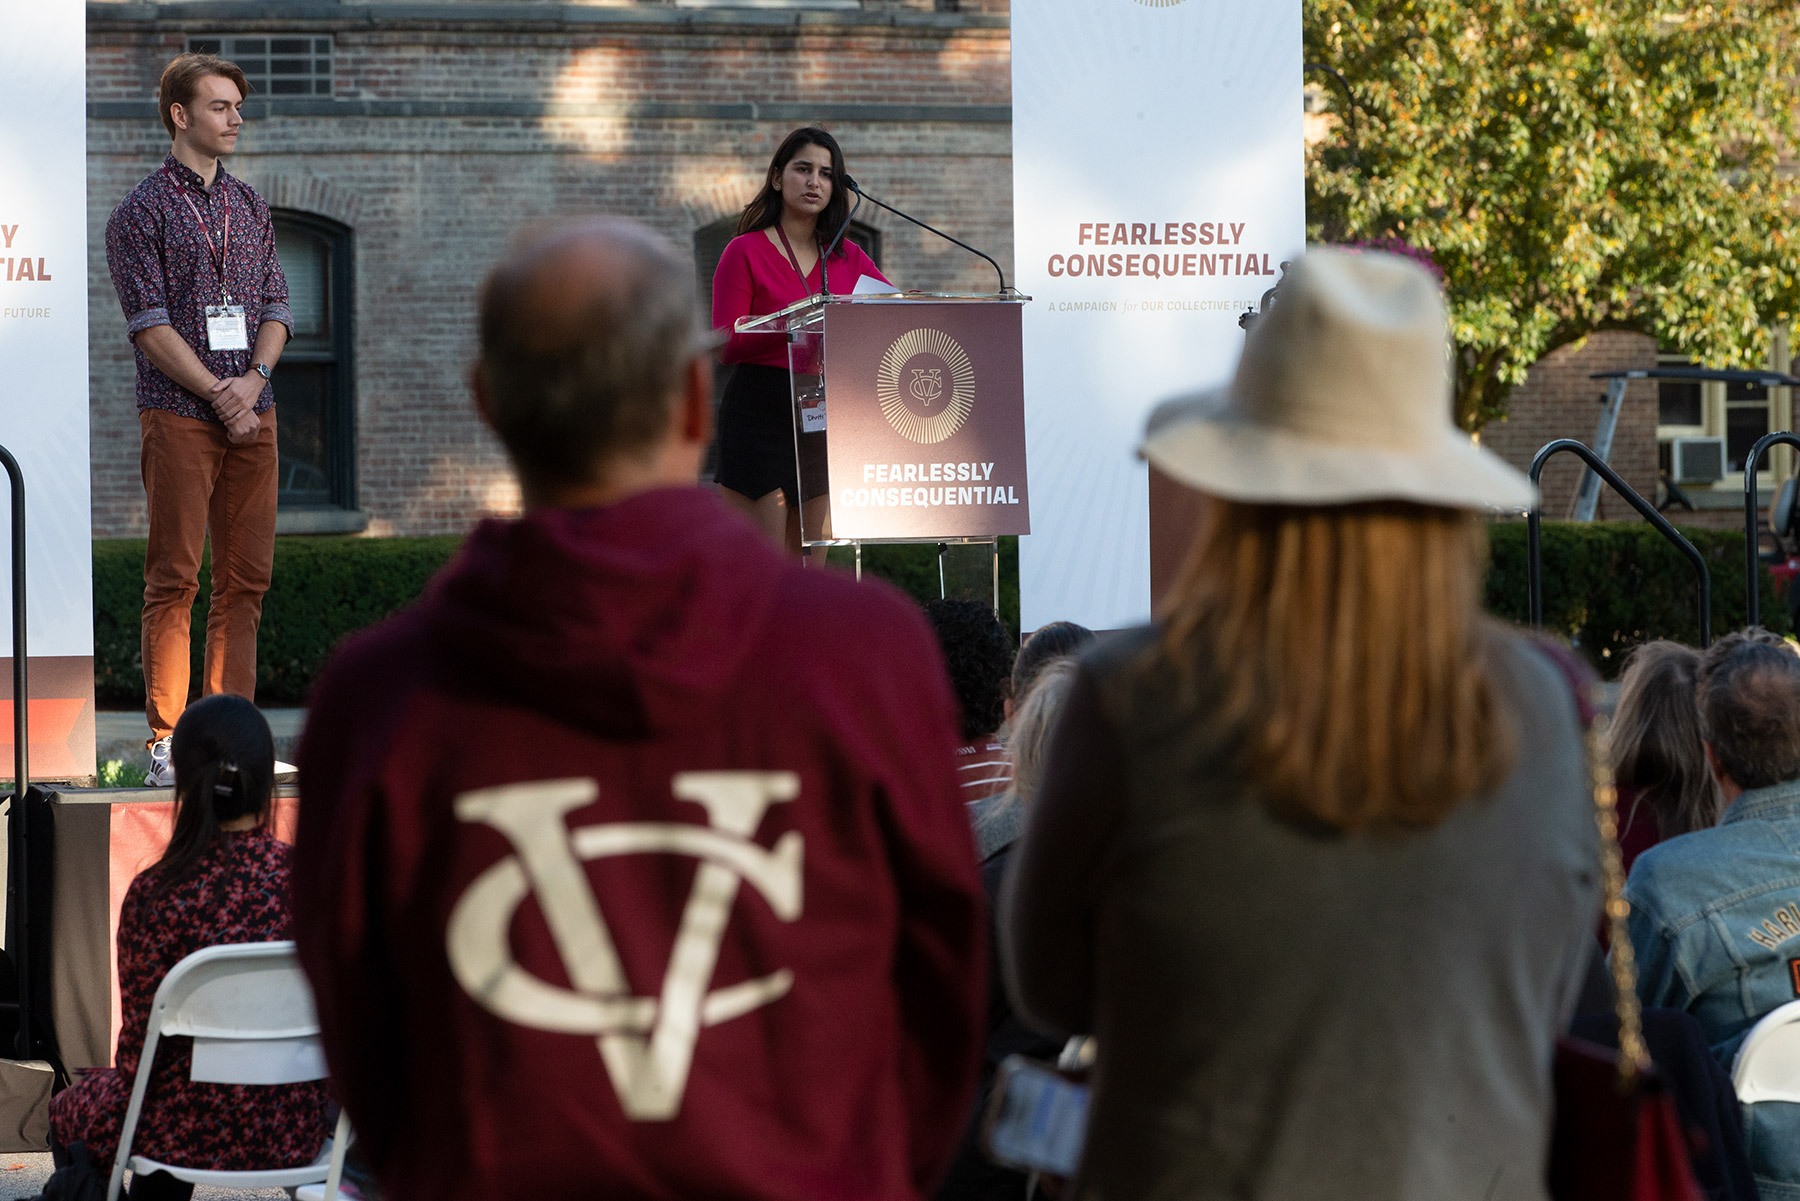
{"points": [[44, 373], [1158, 184]]}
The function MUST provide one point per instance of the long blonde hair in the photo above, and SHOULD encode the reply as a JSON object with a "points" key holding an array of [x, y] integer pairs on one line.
{"points": [[1351, 654], [1029, 732]]}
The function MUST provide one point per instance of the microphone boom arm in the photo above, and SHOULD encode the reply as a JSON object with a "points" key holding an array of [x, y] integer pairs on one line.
{"points": [[824, 277], [940, 233]]}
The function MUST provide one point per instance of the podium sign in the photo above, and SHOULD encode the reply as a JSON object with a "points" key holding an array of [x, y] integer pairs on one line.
{"points": [[926, 420]]}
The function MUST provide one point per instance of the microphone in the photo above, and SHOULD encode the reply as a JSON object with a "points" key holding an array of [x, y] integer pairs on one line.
{"points": [[847, 182], [825, 271]]}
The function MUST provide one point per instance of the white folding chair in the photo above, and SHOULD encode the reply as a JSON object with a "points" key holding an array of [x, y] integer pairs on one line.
{"points": [[1767, 1066], [249, 1010]]}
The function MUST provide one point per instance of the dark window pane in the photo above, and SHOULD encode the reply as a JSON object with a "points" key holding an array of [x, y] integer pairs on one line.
{"points": [[303, 397], [203, 45], [243, 46], [253, 67], [290, 66], [1678, 402], [1743, 426], [1736, 391], [287, 45], [290, 87], [322, 45], [322, 87]]}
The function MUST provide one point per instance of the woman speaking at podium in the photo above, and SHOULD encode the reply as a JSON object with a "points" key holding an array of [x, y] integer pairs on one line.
{"points": [[777, 259]]}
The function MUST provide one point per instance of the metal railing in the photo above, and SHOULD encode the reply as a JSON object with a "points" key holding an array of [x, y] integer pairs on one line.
{"points": [[18, 861], [1534, 519], [1752, 567]]}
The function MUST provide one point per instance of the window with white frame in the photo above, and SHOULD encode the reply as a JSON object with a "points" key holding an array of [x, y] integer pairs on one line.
{"points": [[278, 65], [1737, 412]]}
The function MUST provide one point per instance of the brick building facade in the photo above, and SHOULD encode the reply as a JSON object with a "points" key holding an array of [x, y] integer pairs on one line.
{"points": [[402, 143]]}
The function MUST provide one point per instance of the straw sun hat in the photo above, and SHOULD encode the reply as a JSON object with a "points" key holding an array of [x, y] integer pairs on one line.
{"points": [[1342, 395]]}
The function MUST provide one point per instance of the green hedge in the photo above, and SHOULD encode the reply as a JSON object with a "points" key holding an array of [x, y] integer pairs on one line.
{"points": [[325, 588], [1611, 585], [1607, 587]]}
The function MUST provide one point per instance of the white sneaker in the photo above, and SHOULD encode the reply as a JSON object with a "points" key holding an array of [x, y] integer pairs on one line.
{"points": [[162, 772]]}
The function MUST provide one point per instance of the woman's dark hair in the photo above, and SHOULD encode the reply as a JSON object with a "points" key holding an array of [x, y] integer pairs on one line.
{"points": [[979, 657], [1654, 740], [765, 209], [224, 761], [1058, 640]]}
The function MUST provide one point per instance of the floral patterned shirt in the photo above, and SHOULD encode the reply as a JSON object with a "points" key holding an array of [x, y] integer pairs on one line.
{"points": [[237, 893], [166, 273]]}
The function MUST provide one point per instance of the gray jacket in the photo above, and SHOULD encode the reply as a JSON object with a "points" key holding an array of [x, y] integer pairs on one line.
{"points": [[1285, 1015]]}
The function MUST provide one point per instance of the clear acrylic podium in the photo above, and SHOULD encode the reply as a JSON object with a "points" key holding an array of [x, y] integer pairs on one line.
{"points": [[908, 421]]}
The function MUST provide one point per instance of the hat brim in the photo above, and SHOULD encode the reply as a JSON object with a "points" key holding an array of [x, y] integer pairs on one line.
{"points": [[1195, 441]]}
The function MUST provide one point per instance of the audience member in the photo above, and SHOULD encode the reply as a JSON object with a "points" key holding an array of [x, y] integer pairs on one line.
{"points": [[1314, 858], [223, 879], [631, 862], [973, 1176], [1654, 750], [1045, 645], [999, 820], [1715, 914], [980, 658]]}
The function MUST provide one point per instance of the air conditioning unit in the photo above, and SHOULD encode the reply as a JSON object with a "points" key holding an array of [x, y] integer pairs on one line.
{"points": [[1697, 460]]}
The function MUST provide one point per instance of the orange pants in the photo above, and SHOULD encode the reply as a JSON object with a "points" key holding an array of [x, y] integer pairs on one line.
{"points": [[198, 483]]}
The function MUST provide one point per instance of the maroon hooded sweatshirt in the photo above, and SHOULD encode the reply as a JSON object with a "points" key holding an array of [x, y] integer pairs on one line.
{"points": [[631, 865]]}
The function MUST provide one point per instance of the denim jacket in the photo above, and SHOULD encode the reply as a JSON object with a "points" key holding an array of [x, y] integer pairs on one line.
{"points": [[1715, 923]]}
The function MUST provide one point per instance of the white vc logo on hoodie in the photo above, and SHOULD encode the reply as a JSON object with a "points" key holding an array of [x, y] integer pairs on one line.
{"points": [[646, 1042]]}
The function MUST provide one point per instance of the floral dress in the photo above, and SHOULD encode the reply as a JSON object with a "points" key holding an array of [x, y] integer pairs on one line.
{"points": [[237, 893]]}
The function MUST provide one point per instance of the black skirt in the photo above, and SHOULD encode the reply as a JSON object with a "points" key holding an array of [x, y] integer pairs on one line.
{"points": [[756, 437]]}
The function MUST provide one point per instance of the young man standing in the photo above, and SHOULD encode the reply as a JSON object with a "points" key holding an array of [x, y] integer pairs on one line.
{"points": [[631, 863], [192, 256]]}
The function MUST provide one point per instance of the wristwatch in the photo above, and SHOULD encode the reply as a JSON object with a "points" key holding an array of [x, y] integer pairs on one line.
{"points": [[260, 369]]}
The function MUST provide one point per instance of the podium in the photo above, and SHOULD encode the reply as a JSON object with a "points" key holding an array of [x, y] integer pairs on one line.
{"points": [[908, 416]]}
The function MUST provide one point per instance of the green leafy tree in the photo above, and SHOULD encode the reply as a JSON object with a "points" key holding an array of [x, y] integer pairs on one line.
{"points": [[1570, 167]]}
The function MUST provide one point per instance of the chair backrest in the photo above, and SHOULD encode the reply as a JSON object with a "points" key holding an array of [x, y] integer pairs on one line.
{"points": [[1767, 1067], [249, 1010]]}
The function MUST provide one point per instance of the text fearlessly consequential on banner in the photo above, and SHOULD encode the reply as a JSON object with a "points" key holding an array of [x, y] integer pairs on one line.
{"points": [[1159, 265], [20, 270]]}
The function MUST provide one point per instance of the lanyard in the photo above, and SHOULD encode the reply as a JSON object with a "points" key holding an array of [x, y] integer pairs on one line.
{"points": [[805, 284], [219, 252]]}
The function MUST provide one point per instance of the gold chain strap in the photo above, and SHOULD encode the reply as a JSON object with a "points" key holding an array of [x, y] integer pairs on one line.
{"points": [[1634, 1057]]}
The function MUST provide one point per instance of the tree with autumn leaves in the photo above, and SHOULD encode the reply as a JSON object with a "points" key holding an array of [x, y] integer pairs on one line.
{"points": [[1569, 167]]}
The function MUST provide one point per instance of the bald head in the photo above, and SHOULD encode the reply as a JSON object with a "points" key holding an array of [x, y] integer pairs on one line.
{"points": [[588, 328]]}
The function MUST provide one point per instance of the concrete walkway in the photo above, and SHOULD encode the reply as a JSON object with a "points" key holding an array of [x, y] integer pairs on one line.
{"points": [[120, 737], [23, 1176]]}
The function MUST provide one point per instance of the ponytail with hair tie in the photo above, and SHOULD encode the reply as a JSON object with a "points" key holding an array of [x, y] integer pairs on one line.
{"points": [[225, 783]]}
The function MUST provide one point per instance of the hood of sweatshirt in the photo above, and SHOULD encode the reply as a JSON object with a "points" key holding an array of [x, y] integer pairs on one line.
{"points": [[631, 619]]}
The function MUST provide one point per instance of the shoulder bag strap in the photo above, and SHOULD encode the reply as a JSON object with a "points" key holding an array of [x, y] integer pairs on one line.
{"points": [[1634, 1056]]}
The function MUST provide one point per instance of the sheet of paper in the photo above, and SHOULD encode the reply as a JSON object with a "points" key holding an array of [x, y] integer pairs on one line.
{"points": [[868, 285]]}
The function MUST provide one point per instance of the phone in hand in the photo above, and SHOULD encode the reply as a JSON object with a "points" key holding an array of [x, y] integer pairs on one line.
{"points": [[1036, 1118]]}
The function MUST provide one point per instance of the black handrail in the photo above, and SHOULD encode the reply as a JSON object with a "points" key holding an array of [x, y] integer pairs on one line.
{"points": [[1752, 568], [17, 860], [1533, 519]]}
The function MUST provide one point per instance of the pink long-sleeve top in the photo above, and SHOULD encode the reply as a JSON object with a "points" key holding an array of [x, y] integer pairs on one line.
{"points": [[755, 277]]}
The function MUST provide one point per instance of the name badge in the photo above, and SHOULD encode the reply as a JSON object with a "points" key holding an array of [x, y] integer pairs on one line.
{"points": [[225, 327], [812, 418]]}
